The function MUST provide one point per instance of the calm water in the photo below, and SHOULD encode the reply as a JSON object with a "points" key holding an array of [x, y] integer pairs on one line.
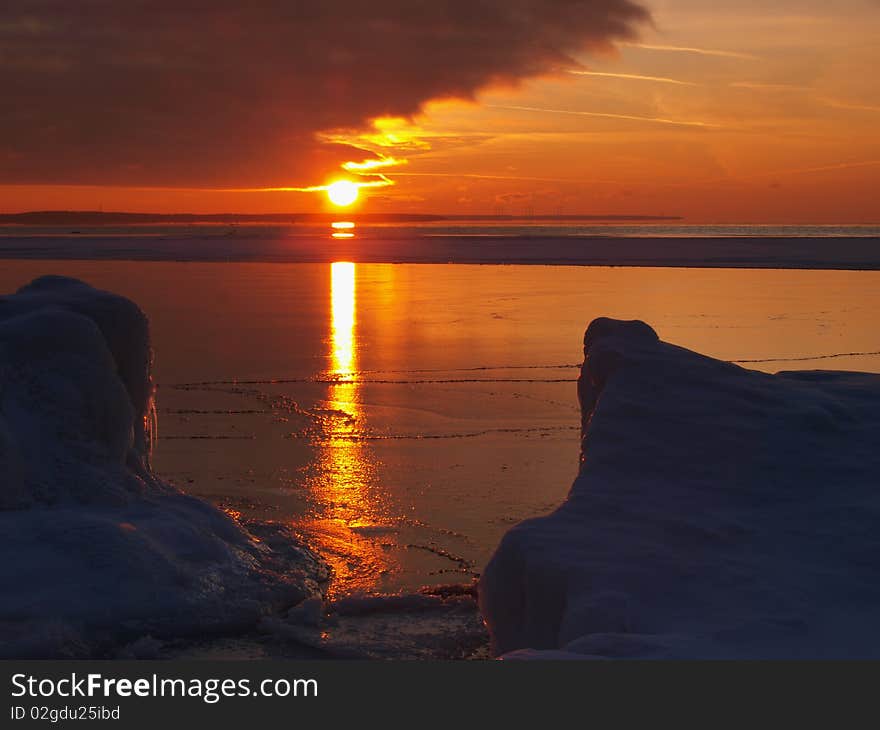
{"points": [[403, 417]]}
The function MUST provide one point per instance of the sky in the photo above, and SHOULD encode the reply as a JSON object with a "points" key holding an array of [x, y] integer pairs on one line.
{"points": [[734, 111]]}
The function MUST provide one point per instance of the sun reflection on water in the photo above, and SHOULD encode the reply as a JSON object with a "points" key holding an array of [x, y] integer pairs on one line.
{"points": [[354, 513], [342, 309], [342, 229]]}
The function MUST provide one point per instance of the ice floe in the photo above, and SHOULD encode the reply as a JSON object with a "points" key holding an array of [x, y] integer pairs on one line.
{"points": [[718, 512], [97, 552]]}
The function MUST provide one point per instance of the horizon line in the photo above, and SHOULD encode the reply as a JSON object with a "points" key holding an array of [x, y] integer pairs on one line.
{"points": [[60, 213]]}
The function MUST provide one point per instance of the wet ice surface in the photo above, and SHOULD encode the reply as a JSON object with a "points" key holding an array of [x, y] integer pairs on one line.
{"points": [[395, 493], [402, 417], [425, 424]]}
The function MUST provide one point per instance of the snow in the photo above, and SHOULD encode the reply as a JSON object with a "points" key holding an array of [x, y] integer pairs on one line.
{"points": [[95, 550], [718, 512]]}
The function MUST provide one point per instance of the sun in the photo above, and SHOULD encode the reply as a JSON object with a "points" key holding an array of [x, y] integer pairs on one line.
{"points": [[342, 192]]}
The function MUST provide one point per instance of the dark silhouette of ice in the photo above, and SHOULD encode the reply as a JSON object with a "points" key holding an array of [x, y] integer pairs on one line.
{"points": [[95, 550], [719, 512]]}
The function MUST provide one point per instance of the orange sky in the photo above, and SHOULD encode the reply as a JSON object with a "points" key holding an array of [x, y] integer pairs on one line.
{"points": [[733, 111]]}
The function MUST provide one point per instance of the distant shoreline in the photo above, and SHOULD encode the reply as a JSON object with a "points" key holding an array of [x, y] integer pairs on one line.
{"points": [[834, 253], [97, 218]]}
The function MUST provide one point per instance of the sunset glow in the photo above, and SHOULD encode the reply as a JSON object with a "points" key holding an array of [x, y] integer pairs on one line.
{"points": [[342, 193], [497, 330], [730, 112]]}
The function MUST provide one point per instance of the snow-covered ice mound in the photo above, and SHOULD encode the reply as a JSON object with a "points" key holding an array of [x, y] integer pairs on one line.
{"points": [[95, 550], [718, 512]]}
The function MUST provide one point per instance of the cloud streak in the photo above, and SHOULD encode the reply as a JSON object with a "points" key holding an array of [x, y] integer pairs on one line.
{"points": [[821, 168], [608, 115], [837, 104], [697, 51], [633, 77], [372, 164], [756, 86]]}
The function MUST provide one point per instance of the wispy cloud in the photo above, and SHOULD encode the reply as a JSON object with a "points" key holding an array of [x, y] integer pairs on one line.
{"points": [[477, 176], [608, 115], [791, 171], [365, 175], [824, 168], [634, 77], [838, 104], [374, 163], [380, 182], [691, 49], [768, 87], [401, 137]]}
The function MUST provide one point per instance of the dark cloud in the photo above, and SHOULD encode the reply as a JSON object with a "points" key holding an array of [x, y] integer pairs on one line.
{"points": [[215, 92]]}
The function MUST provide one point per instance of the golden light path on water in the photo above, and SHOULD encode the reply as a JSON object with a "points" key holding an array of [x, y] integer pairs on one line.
{"points": [[346, 480], [342, 229], [342, 310]]}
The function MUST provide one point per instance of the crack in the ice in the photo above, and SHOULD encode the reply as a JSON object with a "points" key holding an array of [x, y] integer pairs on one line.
{"points": [[811, 357], [337, 436]]}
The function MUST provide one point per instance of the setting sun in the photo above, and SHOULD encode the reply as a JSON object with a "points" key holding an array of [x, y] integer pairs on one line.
{"points": [[342, 192]]}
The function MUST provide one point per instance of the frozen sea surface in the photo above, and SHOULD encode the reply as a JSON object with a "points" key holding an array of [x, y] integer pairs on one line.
{"points": [[402, 418], [460, 242]]}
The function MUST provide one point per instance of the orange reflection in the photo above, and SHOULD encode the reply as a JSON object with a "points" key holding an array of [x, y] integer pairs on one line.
{"points": [[342, 229], [342, 309], [346, 481]]}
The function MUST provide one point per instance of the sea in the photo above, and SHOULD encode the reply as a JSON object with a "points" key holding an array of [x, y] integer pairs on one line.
{"points": [[403, 416]]}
